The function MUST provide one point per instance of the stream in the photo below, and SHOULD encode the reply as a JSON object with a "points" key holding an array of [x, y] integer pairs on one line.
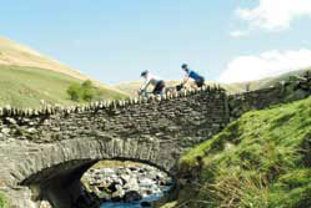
{"points": [[140, 204], [129, 186]]}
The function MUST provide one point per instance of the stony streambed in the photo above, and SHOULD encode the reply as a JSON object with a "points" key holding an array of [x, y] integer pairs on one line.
{"points": [[136, 186]]}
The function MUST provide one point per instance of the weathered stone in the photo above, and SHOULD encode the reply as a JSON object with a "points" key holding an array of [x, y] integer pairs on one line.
{"points": [[132, 196], [5, 130]]}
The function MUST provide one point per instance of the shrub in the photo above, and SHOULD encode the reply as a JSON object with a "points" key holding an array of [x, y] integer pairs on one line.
{"points": [[87, 84], [74, 91], [88, 94], [84, 92]]}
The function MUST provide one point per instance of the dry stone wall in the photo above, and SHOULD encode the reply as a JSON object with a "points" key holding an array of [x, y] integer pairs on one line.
{"points": [[192, 114]]}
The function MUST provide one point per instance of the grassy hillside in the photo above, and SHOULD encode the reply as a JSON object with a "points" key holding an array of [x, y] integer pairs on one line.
{"points": [[262, 160], [130, 88], [26, 77], [263, 83], [26, 86], [271, 81], [15, 54]]}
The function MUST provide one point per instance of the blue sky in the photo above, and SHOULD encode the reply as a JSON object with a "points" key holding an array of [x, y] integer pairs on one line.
{"points": [[113, 41]]}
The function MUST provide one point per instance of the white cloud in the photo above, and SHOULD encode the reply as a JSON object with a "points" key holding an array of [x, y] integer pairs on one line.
{"points": [[271, 63], [275, 14], [239, 33]]}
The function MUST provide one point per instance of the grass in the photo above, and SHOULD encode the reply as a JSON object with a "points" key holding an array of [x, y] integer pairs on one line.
{"points": [[3, 201], [15, 54], [262, 160], [26, 86]]}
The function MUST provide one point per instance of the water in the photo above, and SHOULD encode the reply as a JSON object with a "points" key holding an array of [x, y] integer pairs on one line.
{"points": [[133, 205], [121, 205]]}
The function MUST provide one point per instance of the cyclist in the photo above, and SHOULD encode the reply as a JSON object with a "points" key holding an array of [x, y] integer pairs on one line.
{"points": [[158, 84], [198, 79]]}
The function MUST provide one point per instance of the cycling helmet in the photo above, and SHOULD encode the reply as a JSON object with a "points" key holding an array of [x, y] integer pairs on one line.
{"points": [[144, 73], [184, 66]]}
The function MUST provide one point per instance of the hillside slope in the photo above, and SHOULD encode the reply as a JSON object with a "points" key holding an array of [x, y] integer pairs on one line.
{"points": [[14, 54], [232, 88], [26, 86], [26, 77], [266, 82], [262, 160]]}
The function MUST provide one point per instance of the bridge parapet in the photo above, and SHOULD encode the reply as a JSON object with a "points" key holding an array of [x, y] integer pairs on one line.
{"points": [[173, 116]]}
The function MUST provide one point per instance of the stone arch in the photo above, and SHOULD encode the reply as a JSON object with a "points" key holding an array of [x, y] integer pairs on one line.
{"points": [[55, 170]]}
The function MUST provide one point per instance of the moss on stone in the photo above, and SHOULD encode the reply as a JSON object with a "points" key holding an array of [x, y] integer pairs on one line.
{"points": [[3, 201]]}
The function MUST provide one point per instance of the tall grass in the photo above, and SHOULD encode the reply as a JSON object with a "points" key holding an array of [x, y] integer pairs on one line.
{"points": [[261, 160]]}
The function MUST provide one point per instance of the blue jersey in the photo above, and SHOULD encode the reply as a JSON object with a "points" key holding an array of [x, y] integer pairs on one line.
{"points": [[194, 75]]}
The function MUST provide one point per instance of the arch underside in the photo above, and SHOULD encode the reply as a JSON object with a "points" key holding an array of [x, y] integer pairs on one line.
{"points": [[54, 171]]}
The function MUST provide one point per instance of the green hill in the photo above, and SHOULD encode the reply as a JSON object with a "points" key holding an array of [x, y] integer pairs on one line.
{"points": [[262, 160], [26, 77], [26, 86], [15, 54], [263, 83]]}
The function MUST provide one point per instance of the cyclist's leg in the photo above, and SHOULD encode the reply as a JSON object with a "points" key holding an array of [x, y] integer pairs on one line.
{"points": [[193, 84], [200, 82], [156, 89], [159, 88]]}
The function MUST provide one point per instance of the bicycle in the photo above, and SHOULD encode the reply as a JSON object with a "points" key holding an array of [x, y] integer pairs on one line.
{"points": [[145, 94]]}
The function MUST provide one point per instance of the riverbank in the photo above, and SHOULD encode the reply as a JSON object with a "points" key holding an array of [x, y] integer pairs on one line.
{"points": [[261, 160]]}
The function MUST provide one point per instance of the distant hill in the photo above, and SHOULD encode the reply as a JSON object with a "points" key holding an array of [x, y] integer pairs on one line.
{"points": [[264, 83], [131, 88], [233, 88], [15, 54], [26, 77]]}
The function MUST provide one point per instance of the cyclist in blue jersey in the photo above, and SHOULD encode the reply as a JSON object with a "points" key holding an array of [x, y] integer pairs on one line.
{"points": [[198, 79]]}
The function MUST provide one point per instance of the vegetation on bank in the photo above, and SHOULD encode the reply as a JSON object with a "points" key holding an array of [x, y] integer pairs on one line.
{"points": [[3, 201], [25, 87], [262, 160]]}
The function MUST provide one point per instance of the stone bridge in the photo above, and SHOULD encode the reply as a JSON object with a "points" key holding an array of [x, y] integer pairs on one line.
{"points": [[45, 152]]}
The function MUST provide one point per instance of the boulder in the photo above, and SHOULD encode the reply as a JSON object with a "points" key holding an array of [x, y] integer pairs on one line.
{"points": [[45, 204], [113, 187], [132, 196]]}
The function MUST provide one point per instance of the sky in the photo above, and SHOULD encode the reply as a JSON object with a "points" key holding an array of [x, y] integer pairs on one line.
{"points": [[113, 41]]}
